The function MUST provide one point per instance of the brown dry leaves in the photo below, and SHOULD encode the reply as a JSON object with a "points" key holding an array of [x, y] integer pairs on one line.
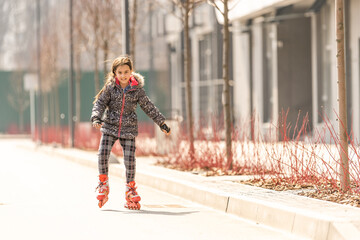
{"points": [[323, 191], [351, 199]]}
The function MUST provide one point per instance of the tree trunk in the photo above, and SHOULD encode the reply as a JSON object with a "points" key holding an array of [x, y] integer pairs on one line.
{"points": [[96, 73], [51, 107], [57, 108], [188, 94], [45, 117], [106, 54], [21, 122], [96, 37], [133, 31], [226, 92], [340, 39], [77, 83]]}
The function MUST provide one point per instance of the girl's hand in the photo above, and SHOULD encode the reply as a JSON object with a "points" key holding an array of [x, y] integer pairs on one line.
{"points": [[97, 125], [165, 129], [167, 133]]}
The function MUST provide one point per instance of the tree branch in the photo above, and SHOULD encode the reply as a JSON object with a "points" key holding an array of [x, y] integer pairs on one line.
{"points": [[235, 5], [178, 4], [196, 4], [212, 2]]}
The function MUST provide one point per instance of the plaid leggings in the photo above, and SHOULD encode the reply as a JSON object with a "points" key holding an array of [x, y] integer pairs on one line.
{"points": [[128, 146]]}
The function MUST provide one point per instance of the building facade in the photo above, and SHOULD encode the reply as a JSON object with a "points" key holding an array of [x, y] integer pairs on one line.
{"points": [[283, 58]]}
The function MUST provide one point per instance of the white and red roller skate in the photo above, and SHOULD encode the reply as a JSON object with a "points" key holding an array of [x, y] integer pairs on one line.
{"points": [[132, 197], [103, 190]]}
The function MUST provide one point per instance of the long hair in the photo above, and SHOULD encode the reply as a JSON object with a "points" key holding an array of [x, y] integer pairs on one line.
{"points": [[119, 61]]}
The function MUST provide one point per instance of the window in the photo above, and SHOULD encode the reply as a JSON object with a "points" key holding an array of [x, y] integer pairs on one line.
{"points": [[183, 102], [207, 97], [205, 58], [268, 99], [324, 80]]}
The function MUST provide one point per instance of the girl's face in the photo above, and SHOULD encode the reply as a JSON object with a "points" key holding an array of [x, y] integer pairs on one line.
{"points": [[123, 73]]}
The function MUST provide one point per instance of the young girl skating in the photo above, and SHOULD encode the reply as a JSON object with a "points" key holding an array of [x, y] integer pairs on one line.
{"points": [[114, 113]]}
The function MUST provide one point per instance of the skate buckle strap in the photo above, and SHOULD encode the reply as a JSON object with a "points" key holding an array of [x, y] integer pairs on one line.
{"points": [[131, 188], [131, 185], [133, 192], [101, 185]]}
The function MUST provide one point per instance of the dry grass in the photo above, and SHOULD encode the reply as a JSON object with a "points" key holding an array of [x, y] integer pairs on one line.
{"points": [[299, 161]]}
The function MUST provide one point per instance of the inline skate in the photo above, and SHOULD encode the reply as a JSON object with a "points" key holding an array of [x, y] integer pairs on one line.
{"points": [[132, 197], [103, 190]]}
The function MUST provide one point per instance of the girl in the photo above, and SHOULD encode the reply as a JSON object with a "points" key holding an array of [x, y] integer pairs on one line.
{"points": [[114, 113]]}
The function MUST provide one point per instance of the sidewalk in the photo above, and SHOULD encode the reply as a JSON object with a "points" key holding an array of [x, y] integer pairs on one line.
{"points": [[301, 216]]}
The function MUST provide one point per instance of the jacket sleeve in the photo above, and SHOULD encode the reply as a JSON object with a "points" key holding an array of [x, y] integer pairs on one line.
{"points": [[149, 108], [100, 106]]}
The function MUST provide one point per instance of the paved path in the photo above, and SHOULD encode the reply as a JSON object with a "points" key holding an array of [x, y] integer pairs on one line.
{"points": [[50, 198]]}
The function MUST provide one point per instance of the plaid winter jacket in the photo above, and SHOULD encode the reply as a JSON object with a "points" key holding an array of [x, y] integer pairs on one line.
{"points": [[115, 108]]}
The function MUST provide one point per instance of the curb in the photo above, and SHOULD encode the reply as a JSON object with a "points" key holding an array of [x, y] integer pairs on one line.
{"points": [[298, 215]]}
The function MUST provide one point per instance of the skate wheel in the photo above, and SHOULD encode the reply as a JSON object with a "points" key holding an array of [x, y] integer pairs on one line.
{"points": [[132, 206], [102, 202]]}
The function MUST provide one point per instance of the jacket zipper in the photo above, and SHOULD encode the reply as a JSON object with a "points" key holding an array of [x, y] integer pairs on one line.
{"points": [[122, 110]]}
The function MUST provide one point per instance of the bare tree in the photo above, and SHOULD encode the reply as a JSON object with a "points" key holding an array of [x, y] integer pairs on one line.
{"points": [[92, 28], [133, 28], [20, 28], [19, 22], [137, 23], [4, 20], [96, 29], [100, 29], [18, 97], [186, 7], [109, 27], [79, 46], [224, 10], [340, 39], [50, 70]]}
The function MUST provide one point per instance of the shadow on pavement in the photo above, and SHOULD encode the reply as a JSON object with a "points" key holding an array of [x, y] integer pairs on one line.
{"points": [[168, 213]]}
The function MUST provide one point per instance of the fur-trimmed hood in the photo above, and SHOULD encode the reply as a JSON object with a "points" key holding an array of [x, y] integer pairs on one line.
{"points": [[139, 78]]}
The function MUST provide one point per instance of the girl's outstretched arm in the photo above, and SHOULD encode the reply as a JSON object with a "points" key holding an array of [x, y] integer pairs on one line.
{"points": [[149, 108]]}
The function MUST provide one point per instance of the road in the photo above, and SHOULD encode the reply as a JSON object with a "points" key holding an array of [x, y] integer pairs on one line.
{"points": [[47, 197]]}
